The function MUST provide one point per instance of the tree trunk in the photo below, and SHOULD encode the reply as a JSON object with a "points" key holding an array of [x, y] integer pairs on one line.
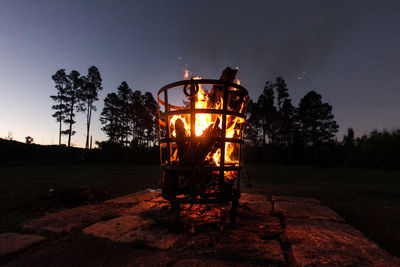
{"points": [[70, 124], [60, 130], [59, 136], [88, 118]]}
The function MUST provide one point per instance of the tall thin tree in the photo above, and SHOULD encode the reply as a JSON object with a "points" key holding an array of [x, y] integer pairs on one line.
{"points": [[282, 91], [268, 112], [136, 117], [150, 119], [91, 85], [73, 101], [124, 93], [62, 84]]}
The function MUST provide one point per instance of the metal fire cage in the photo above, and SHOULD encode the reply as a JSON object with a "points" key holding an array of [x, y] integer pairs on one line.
{"points": [[174, 172]]}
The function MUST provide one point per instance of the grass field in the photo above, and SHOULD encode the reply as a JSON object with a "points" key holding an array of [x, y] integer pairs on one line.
{"points": [[367, 199]]}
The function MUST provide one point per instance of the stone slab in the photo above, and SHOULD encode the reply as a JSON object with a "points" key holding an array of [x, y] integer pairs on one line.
{"points": [[155, 258], [195, 262], [72, 219], [246, 197], [302, 209], [134, 198], [132, 229], [147, 206], [255, 208], [319, 242], [295, 199], [13, 242], [141, 207], [233, 246], [314, 233], [267, 227], [78, 249], [245, 245], [207, 262]]}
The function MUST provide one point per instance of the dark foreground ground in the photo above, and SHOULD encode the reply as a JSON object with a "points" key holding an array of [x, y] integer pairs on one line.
{"points": [[367, 199]]}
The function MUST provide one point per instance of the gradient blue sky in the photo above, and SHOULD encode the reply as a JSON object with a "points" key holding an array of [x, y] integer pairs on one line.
{"points": [[348, 51]]}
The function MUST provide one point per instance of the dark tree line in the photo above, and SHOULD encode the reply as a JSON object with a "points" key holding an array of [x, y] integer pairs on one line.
{"points": [[378, 149], [75, 93], [276, 131], [130, 117], [279, 129]]}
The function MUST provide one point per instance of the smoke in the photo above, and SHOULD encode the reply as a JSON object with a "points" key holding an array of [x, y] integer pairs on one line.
{"points": [[269, 39]]}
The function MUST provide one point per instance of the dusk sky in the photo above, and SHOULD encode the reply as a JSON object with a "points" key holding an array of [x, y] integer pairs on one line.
{"points": [[348, 51]]}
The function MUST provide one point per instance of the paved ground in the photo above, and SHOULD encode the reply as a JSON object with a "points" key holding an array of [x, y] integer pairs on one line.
{"points": [[139, 230]]}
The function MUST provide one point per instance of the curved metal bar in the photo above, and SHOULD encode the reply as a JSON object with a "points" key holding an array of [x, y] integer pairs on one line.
{"points": [[204, 81], [203, 110], [200, 168], [185, 83], [169, 105], [199, 139], [192, 92]]}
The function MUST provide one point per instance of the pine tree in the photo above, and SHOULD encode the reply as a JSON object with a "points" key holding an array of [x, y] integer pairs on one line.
{"points": [[73, 101], [317, 124], [124, 93], [111, 118], [282, 91], [268, 113], [62, 85], [150, 122], [92, 84]]}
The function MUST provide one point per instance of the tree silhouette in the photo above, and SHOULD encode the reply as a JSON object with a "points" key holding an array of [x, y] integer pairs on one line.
{"points": [[286, 132], [110, 117], [137, 116], [282, 91], [286, 122], [267, 113], [143, 115], [124, 93], [150, 122], [253, 122], [378, 149], [130, 114], [28, 140], [116, 114], [91, 85], [317, 124], [348, 139], [62, 84], [73, 101]]}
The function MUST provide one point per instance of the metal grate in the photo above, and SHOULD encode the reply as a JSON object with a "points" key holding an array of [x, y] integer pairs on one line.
{"points": [[200, 182]]}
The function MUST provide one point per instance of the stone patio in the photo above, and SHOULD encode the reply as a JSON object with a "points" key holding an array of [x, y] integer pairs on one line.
{"points": [[139, 230]]}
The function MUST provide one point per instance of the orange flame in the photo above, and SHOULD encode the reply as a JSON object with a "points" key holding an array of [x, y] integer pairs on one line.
{"points": [[205, 120]]}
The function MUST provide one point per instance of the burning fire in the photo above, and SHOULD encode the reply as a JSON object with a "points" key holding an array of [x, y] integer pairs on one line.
{"points": [[204, 120]]}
